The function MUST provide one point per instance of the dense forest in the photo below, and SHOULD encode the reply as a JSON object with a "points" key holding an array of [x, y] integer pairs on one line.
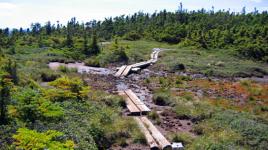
{"points": [[245, 32], [45, 109]]}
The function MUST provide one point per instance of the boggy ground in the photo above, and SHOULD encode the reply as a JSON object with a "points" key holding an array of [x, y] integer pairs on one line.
{"points": [[167, 122], [191, 100]]}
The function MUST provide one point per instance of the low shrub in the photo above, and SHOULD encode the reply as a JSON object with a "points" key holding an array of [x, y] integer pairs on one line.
{"points": [[92, 61], [154, 116], [138, 137], [132, 36], [194, 110], [48, 76], [162, 99], [65, 69], [177, 66], [113, 101], [253, 132], [222, 140], [31, 139], [183, 137], [113, 56]]}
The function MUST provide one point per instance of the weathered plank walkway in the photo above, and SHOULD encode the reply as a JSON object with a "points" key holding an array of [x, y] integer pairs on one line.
{"points": [[125, 70], [136, 107], [134, 104], [153, 136]]}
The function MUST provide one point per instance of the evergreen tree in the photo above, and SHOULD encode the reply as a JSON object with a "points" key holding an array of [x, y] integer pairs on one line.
{"points": [[48, 28], [85, 44], [94, 48], [69, 40], [4, 98]]}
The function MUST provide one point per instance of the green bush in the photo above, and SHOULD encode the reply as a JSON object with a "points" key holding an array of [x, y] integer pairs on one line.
{"points": [[255, 51], [223, 140], [154, 116], [31, 139], [139, 137], [253, 132], [31, 106], [162, 99], [113, 56], [71, 87], [132, 36], [113, 101], [65, 69], [48, 76], [192, 109], [92, 61], [183, 137]]}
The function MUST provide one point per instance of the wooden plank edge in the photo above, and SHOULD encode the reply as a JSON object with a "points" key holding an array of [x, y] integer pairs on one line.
{"points": [[120, 71], [157, 135], [149, 138]]}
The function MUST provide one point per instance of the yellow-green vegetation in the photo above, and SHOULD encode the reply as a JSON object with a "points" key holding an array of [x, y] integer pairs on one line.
{"points": [[63, 114], [70, 87], [30, 139]]}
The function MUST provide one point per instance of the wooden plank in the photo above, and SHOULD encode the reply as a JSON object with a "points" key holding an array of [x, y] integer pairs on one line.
{"points": [[130, 105], [126, 71], [144, 108], [134, 110], [134, 97], [150, 140], [141, 64], [137, 101], [120, 71], [159, 138], [153, 55]]}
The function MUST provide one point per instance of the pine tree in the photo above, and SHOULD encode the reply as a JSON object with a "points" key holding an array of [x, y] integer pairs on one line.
{"points": [[94, 48], [4, 98], [85, 44], [69, 40], [48, 28]]}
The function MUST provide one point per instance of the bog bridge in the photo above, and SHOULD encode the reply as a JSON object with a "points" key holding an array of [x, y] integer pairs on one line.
{"points": [[138, 109]]}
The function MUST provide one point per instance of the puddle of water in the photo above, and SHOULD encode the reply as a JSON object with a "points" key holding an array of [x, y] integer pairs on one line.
{"points": [[121, 86], [81, 68]]}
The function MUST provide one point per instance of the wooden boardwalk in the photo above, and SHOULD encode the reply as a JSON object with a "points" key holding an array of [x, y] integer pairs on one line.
{"points": [[134, 104], [153, 136], [126, 69]]}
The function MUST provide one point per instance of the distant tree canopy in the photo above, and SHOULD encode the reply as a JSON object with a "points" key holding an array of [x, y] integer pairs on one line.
{"points": [[246, 32]]}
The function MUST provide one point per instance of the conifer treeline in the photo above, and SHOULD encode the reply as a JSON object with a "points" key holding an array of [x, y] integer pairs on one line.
{"points": [[245, 32]]}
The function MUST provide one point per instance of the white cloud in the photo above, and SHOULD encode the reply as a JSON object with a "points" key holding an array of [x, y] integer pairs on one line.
{"points": [[257, 1], [5, 5]]}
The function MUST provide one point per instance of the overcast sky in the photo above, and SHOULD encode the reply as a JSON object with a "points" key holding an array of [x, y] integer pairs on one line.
{"points": [[21, 13]]}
